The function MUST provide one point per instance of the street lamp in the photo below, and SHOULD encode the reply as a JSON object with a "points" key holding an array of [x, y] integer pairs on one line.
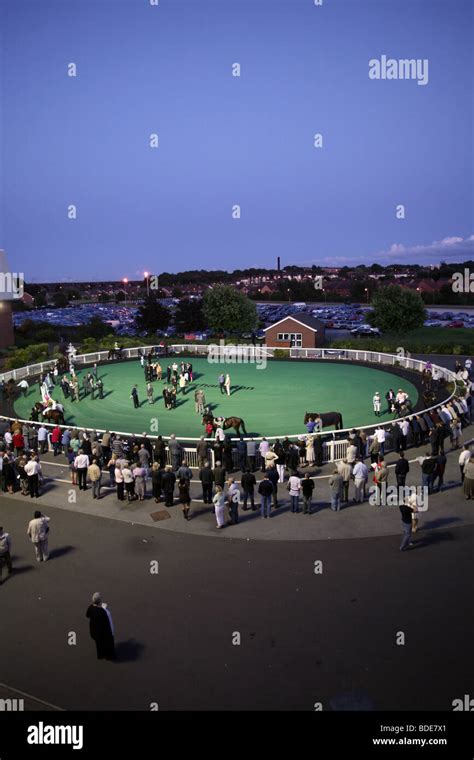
{"points": [[125, 281], [147, 278], [367, 291]]}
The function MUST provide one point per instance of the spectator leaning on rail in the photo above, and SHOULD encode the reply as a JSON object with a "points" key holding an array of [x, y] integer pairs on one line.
{"points": [[176, 450]]}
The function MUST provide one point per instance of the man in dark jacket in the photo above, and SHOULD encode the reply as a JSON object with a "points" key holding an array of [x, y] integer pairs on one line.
{"points": [[307, 487], [428, 467], [134, 397], [265, 490], [416, 431], [272, 475], [219, 475], [293, 458], [396, 434], [206, 476], [201, 451], [185, 472], [439, 471], [101, 629], [423, 428], [176, 451], [242, 453], [159, 452], [248, 484], [168, 481], [402, 469]]}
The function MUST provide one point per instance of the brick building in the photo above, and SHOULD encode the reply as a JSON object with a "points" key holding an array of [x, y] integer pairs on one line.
{"points": [[298, 331]]}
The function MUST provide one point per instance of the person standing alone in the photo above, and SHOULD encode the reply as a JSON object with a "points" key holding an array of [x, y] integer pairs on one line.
{"points": [[101, 628], [134, 396], [38, 530]]}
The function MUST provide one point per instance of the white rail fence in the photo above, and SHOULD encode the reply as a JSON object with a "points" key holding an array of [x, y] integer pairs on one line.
{"points": [[333, 450]]}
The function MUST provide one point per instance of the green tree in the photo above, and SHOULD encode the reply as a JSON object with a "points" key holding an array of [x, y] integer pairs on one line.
{"points": [[189, 316], [40, 298], [397, 309], [225, 309], [96, 328], [60, 299], [152, 315]]}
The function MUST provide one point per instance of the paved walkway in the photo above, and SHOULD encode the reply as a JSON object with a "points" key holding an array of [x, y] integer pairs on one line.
{"points": [[448, 508]]}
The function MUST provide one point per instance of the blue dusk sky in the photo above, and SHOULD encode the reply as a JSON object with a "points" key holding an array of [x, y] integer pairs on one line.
{"points": [[226, 140]]}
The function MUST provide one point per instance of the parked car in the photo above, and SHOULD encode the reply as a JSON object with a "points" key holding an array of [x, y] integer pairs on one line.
{"points": [[367, 331]]}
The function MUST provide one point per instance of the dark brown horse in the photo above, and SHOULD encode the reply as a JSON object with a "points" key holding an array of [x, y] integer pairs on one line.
{"points": [[227, 422], [326, 419], [52, 415]]}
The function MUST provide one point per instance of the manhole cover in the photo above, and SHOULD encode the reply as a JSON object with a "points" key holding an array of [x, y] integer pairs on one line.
{"points": [[163, 514]]}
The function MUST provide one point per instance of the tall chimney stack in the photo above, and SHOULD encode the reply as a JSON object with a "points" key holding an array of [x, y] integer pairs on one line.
{"points": [[278, 263]]}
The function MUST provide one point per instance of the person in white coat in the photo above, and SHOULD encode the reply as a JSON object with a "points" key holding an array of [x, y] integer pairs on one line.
{"points": [[219, 506]]}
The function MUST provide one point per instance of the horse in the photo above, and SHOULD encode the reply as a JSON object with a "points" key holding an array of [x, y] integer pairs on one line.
{"points": [[429, 398], [115, 353], [228, 422], [52, 415], [62, 365], [426, 378], [10, 391], [326, 419]]}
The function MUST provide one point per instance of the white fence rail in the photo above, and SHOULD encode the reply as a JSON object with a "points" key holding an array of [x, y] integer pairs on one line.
{"points": [[333, 450]]}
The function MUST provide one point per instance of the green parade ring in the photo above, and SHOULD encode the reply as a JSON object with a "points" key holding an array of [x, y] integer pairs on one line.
{"points": [[271, 401]]}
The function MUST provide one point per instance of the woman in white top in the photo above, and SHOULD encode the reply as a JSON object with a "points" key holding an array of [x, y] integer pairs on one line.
{"points": [[227, 384], [129, 481], [219, 506], [119, 480]]}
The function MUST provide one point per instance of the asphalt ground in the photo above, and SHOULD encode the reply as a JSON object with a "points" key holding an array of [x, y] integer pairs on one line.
{"points": [[306, 637]]}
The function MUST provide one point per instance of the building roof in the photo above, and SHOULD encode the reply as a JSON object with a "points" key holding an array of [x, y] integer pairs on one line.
{"points": [[303, 319]]}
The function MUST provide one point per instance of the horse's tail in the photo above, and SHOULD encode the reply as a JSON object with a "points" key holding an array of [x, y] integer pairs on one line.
{"points": [[341, 424], [243, 427]]}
